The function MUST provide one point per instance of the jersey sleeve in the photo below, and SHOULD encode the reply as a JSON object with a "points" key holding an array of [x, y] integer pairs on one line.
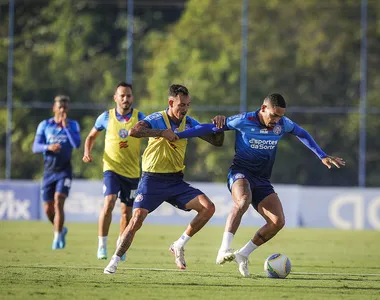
{"points": [[153, 120], [191, 121], [288, 124], [101, 122], [141, 116], [235, 121], [39, 144]]}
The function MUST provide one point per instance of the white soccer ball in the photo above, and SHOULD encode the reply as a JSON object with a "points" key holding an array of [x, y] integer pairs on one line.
{"points": [[277, 266]]}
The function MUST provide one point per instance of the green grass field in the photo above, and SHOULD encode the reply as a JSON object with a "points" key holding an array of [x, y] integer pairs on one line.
{"points": [[326, 264]]}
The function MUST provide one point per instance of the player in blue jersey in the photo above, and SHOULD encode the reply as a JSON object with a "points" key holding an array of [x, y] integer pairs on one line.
{"points": [[257, 137], [121, 161], [56, 138], [162, 179]]}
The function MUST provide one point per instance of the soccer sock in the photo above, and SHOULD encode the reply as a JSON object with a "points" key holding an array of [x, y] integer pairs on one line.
{"points": [[102, 241], [181, 242], [118, 241], [247, 249], [227, 240], [57, 235], [115, 258]]}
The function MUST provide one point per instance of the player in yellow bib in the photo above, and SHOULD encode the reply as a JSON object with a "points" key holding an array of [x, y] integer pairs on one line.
{"points": [[121, 161], [162, 179]]}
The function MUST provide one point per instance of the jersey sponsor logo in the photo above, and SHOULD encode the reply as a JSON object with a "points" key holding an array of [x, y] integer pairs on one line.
{"points": [[139, 198], [123, 133], [277, 129], [123, 145], [263, 144], [155, 116], [265, 131], [56, 139]]}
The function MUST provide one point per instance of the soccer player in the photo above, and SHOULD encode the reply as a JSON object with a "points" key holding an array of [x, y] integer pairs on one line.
{"points": [[162, 179], [56, 138], [257, 137], [121, 161]]}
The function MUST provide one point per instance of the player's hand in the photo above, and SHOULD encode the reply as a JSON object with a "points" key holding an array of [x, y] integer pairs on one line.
{"points": [[169, 135], [54, 147], [87, 158], [64, 119], [219, 121], [330, 161]]}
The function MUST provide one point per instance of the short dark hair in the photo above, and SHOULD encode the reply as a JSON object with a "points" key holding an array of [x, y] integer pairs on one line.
{"points": [[276, 100], [123, 84], [61, 98], [175, 89]]}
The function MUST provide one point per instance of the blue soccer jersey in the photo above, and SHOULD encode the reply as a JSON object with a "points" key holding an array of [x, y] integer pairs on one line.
{"points": [[156, 121], [48, 133], [101, 122]]}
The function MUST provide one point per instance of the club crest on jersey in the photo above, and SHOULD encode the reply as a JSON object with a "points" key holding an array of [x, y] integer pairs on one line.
{"points": [[139, 198], [277, 129], [123, 133]]}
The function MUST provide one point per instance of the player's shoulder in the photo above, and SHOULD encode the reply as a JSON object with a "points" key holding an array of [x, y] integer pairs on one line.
{"points": [[140, 114], [285, 121], [154, 116]]}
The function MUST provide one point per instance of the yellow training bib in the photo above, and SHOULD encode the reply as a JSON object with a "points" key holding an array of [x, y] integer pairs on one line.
{"points": [[121, 152], [162, 156]]}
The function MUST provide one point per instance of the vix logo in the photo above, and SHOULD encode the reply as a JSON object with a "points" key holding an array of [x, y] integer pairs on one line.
{"points": [[13, 209]]}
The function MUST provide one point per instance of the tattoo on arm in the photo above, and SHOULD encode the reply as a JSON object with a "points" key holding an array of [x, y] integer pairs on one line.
{"points": [[141, 129], [215, 139]]}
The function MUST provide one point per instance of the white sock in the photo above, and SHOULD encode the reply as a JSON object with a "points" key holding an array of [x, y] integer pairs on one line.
{"points": [[57, 235], [115, 258], [181, 242], [102, 241], [118, 241], [227, 240], [247, 249]]}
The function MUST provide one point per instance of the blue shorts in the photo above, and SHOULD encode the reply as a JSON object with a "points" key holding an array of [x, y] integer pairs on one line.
{"points": [[61, 185], [156, 188], [260, 187], [123, 187]]}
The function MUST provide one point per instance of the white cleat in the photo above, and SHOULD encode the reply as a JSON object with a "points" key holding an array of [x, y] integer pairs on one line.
{"points": [[225, 256], [112, 266], [179, 254], [242, 261]]}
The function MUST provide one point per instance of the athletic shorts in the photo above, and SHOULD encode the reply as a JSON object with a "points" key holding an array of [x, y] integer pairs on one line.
{"points": [[123, 187], [61, 185], [260, 187], [156, 188]]}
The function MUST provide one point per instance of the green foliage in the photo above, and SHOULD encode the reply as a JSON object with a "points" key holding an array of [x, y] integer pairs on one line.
{"points": [[307, 50]]}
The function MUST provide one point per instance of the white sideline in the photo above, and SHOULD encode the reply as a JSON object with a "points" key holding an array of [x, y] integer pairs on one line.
{"points": [[175, 270]]}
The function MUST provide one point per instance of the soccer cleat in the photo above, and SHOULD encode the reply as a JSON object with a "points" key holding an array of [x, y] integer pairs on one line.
{"points": [[102, 252], [225, 256], [62, 242], [179, 254], [242, 261], [112, 266], [56, 245]]}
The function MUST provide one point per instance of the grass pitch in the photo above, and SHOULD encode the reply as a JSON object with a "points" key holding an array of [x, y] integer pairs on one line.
{"points": [[326, 264]]}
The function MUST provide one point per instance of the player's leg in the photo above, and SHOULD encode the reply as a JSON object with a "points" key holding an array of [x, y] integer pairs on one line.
{"points": [[127, 195], [269, 206], [62, 190], [242, 197], [190, 199], [138, 217], [47, 194], [111, 188]]}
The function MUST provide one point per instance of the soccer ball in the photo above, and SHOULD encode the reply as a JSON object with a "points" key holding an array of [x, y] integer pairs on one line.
{"points": [[277, 266]]}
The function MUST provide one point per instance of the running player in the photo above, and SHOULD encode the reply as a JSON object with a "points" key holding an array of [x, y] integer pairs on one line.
{"points": [[56, 138], [162, 180], [121, 161], [257, 137]]}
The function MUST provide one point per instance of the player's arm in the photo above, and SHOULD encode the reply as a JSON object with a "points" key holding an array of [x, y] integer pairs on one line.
{"points": [[309, 142], [89, 144], [73, 133], [143, 129], [39, 144]]}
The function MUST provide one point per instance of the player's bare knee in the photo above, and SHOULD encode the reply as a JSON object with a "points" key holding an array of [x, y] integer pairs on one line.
{"points": [[209, 210], [242, 205], [137, 220], [278, 224]]}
